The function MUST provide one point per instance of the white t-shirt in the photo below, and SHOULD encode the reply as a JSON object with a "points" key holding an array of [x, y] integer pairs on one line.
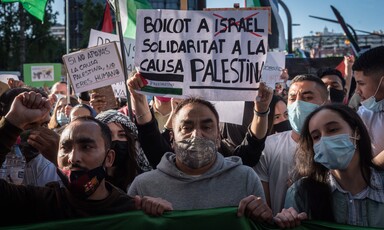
{"points": [[275, 166], [374, 121]]}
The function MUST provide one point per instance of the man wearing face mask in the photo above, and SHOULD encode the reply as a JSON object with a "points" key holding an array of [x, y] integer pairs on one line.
{"points": [[306, 93], [84, 154], [335, 83], [196, 176], [37, 140], [369, 74], [155, 144]]}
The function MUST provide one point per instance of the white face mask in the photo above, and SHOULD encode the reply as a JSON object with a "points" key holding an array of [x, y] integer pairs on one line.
{"points": [[372, 104]]}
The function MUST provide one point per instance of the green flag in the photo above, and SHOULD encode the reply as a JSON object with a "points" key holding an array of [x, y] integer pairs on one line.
{"points": [[128, 10], [34, 7], [252, 3]]}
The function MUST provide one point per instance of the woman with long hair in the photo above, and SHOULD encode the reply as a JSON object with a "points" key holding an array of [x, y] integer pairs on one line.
{"points": [[338, 181], [60, 114], [130, 159], [278, 116]]}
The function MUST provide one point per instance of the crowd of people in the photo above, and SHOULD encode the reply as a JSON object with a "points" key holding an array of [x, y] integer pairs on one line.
{"points": [[314, 152]]}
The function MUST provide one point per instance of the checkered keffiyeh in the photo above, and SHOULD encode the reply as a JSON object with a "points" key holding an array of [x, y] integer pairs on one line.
{"points": [[110, 116]]}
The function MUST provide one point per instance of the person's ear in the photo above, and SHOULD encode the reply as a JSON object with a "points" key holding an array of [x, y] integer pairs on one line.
{"points": [[110, 158]]}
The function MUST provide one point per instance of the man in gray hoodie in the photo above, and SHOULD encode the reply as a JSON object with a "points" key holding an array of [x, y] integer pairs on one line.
{"points": [[196, 176]]}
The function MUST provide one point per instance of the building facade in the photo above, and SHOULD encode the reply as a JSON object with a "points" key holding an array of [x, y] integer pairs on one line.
{"points": [[330, 44], [58, 31]]}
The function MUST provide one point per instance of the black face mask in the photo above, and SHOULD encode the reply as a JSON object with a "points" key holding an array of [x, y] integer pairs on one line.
{"points": [[336, 95], [121, 149], [281, 127], [82, 183]]}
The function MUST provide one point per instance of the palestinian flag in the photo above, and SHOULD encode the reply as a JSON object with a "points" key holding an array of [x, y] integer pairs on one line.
{"points": [[276, 40], [128, 10], [165, 84], [106, 24]]}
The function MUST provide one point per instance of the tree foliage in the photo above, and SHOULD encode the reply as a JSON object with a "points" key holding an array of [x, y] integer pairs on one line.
{"points": [[92, 16], [39, 46]]}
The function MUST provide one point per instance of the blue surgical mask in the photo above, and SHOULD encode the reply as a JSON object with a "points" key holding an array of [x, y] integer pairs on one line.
{"points": [[62, 119], [298, 111], [372, 104], [334, 152]]}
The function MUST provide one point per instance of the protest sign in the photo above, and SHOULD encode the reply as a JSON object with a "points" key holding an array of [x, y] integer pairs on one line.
{"points": [[273, 69], [217, 55], [5, 77], [94, 67], [99, 38], [41, 74], [223, 107]]}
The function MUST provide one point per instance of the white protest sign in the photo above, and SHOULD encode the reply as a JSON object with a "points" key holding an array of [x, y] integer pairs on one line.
{"points": [[42, 73], [223, 107], [99, 38], [94, 67], [217, 55], [5, 77], [273, 68]]}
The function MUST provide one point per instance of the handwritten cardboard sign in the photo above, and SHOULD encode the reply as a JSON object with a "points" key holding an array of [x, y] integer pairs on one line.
{"points": [[94, 67], [97, 38], [217, 55]]}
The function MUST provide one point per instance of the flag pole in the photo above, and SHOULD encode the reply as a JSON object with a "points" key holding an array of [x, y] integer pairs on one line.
{"points": [[340, 19], [67, 46], [183, 4], [121, 38]]}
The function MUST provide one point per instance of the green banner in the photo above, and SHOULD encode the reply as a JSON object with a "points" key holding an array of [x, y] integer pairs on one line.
{"points": [[41, 74], [220, 218]]}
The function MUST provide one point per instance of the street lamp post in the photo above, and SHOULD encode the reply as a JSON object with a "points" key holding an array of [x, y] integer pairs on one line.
{"points": [[289, 25], [67, 44]]}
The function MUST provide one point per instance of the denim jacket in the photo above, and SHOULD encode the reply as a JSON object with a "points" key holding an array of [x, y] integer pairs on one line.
{"points": [[363, 209]]}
